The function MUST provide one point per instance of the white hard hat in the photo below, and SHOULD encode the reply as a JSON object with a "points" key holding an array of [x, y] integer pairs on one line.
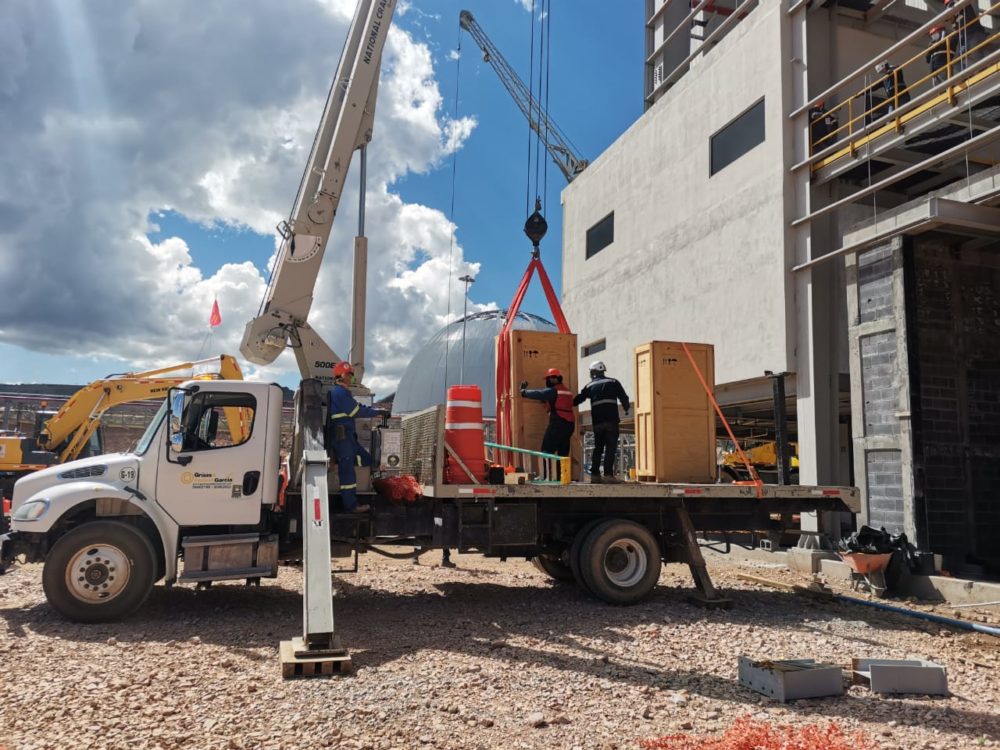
{"points": [[597, 366]]}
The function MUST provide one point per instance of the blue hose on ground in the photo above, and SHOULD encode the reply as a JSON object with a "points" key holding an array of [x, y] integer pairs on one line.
{"points": [[961, 624]]}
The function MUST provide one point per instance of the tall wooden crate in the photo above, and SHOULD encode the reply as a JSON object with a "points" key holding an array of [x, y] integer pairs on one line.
{"points": [[674, 418], [531, 354]]}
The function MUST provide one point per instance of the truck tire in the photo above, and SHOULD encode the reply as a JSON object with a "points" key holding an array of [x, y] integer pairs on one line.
{"points": [[620, 562], [100, 571], [553, 567], [574, 551]]}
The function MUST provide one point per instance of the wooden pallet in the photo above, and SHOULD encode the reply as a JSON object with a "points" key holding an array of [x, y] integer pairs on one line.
{"points": [[303, 664]]}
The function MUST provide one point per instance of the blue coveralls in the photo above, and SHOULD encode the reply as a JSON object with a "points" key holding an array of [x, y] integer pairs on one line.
{"points": [[342, 442]]}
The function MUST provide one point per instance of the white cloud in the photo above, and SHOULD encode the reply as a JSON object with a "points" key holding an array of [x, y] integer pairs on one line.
{"points": [[116, 112]]}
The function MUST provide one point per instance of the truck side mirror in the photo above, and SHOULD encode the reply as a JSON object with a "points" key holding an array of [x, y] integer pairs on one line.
{"points": [[175, 425]]}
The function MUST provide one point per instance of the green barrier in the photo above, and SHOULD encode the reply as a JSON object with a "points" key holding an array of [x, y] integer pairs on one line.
{"points": [[564, 462]]}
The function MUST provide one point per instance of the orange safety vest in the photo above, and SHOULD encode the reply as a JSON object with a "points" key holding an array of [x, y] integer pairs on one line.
{"points": [[563, 405]]}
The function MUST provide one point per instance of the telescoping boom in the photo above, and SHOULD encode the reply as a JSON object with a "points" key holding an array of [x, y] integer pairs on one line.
{"points": [[345, 127]]}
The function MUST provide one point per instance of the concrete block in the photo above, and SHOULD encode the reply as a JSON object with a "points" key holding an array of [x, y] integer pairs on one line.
{"points": [[791, 679], [895, 676], [808, 560], [835, 570]]}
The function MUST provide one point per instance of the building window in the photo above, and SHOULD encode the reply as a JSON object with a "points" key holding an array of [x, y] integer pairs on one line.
{"points": [[589, 350], [601, 235], [738, 137]]}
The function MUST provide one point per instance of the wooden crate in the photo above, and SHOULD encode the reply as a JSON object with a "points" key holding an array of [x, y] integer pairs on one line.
{"points": [[674, 418], [531, 354]]}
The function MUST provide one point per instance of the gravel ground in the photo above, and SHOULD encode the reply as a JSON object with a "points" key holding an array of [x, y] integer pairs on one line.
{"points": [[489, 655]]}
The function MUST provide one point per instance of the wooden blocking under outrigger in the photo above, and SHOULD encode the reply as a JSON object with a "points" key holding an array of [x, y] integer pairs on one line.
{"points": [[296, 661]]}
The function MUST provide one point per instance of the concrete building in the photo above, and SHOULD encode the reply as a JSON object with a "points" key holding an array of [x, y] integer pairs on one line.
{"points": [[775, 146]]}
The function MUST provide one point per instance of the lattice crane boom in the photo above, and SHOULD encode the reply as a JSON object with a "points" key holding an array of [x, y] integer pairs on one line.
{"points": [[562, 151]]}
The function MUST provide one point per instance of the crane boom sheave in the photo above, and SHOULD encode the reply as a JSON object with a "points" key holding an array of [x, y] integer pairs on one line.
{"points": [[556, 142], [346, 126]]}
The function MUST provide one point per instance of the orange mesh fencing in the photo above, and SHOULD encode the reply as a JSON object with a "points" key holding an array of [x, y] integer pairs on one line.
{"points": [[748, 734]]}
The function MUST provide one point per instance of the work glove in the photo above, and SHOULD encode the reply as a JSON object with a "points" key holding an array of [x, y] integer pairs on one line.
{"points": [[524, 385]]}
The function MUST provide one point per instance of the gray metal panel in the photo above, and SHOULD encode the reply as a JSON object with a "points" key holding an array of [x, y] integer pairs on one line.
{"points": [[895, 676], [791, 679]]}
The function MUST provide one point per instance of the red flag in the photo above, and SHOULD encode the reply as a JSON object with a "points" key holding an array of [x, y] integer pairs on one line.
{"points": [[216, 317]]}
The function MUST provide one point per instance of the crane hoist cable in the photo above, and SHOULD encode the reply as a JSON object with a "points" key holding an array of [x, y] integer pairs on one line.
{"points": [[451, 214], [535, 228]]}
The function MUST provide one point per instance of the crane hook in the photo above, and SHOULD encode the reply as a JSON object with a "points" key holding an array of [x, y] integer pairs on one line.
{"points": [[536, 226]]}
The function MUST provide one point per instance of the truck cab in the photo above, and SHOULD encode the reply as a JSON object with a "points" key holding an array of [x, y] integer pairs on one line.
{"points": [[194, 489]]}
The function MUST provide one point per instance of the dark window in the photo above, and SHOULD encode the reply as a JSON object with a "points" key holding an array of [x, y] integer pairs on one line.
{"points": [[738, 137], [601, 235], [593, 348], [218, 420]]}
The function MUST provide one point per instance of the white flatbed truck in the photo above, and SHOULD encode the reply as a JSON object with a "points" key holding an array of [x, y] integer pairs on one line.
{"points": [[198, 501]]}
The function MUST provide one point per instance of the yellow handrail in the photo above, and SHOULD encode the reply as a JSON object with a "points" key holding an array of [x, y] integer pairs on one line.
{"points": [[872, 113]]}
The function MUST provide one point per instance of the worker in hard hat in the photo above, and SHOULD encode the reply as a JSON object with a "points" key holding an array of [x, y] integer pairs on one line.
{"points": [[970, 36], [822, 126], [561, 417], [937, 55], [893, 86], [605, 393], [342, 438]]}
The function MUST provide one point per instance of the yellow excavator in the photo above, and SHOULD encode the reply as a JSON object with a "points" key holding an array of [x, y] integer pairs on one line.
{"points": [[68, 433], [764, 458]]}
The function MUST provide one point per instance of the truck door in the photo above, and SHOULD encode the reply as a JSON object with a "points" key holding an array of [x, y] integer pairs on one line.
{"points": [[212, 473]]}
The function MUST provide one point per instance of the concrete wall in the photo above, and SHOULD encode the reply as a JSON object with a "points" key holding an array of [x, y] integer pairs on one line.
{"points": [[695, 257]]}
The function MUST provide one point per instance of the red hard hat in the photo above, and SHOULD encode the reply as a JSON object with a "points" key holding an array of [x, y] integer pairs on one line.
{"points": [[342, 368], [553, 373], [935, 30]]}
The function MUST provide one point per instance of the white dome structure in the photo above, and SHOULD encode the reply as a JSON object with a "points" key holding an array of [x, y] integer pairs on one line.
{"points": [[438, 364]]}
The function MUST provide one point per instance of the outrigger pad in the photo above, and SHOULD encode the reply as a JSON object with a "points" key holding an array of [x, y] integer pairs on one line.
{"points": [[719, 602], [298, 663]]}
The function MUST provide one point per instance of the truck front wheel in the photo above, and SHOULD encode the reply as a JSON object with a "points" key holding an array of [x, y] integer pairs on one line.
{"points": [[100, 571], [620, 561]]}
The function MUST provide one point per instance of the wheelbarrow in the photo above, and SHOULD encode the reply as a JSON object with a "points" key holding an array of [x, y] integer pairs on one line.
{"points": [[868, 569]]}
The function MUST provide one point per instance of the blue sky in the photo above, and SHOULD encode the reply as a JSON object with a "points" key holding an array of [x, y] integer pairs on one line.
{"points": [[174, 160]]}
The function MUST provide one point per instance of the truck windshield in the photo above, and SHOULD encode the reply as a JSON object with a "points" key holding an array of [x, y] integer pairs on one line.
{"points": [[147, 436]]}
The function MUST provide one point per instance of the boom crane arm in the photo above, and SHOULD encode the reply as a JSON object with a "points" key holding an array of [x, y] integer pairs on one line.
{"points": [[556, 142], [346, 126]]}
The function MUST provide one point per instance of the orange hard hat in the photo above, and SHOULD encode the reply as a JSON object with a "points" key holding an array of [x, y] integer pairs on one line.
{"points": [[935, 30], [341, 369], [553, 373]]}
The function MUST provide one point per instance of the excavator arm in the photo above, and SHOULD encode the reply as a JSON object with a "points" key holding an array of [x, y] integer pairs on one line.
{"points": [[346, 126], [69, 430]]}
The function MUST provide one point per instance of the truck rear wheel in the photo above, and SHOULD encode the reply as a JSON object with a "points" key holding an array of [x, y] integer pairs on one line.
{"points": [[620, 561], [553, 567], [574, 550], [101, 571]]}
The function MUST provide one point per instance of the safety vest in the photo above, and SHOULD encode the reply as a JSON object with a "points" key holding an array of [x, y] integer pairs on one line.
{"points": [[562, 407]]}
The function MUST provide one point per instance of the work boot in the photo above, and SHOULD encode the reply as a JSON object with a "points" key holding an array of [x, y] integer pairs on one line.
{"points": [[362, 509], [611, 479], [596, 479], [447, 563]]}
